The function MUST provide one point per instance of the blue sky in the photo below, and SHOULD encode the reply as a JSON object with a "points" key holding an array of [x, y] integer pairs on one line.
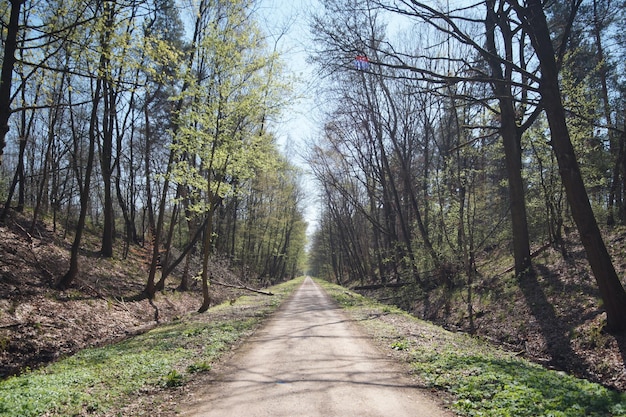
{"points": [[288, 20]]}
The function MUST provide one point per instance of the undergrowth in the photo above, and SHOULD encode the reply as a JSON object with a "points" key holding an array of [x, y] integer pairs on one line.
{"points": [[481, 379], [99, 380]]}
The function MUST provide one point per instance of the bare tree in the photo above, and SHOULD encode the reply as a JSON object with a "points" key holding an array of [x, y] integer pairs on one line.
{"points": [[611, 289]]}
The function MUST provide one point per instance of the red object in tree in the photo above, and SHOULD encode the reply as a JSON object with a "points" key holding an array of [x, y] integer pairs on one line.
{"points": [[362, 63]]}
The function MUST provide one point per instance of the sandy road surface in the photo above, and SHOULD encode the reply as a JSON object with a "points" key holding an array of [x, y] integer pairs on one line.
{"points": [[310, 361]]}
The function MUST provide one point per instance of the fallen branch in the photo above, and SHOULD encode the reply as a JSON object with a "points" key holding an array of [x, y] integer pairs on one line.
{"points": [[532, 255], [241, 287], [379, 286], [128, 333]]}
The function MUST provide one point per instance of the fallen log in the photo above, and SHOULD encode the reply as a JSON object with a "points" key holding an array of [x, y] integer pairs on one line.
{"points": [[241, 287], [379, 286]]}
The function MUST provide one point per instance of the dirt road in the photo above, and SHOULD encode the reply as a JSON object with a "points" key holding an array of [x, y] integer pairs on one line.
{"points": [[309, 360]]}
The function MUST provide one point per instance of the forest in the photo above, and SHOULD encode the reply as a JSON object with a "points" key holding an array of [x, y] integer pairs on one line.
{"points": [[470, 164], [148, 122], [472, 167]]}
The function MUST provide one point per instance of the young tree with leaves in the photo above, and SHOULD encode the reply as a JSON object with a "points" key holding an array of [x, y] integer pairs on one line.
{"points": [[221, 137]]}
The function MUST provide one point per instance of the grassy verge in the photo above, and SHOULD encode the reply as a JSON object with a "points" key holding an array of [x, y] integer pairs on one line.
{"points": [[102, 380], [480, 379]]}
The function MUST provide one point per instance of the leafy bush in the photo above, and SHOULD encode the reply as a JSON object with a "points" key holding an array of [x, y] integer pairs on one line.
{"points": [[173, 379]]}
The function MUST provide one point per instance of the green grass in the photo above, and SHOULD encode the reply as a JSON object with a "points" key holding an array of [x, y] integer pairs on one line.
{"points": [[495, 384], [481, 379], [101, 380]]}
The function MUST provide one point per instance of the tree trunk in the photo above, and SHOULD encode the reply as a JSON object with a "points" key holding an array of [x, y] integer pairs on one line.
{"points": [[611, 289], [615, 147], [156, 224], [6, 76], [150, 288], [208, 235], [18, 177], [65, 281], [511, 139], [622, 168], [106, 154]]}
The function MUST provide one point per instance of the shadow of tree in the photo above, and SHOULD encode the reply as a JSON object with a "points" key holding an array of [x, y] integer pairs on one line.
{"points": [[620, 338], [555, 330]]}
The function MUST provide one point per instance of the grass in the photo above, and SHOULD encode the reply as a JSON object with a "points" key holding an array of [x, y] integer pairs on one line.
{"points": [[102, 380], [480, 379]]}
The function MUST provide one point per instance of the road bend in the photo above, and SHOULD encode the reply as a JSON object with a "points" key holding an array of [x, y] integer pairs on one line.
{"points": [[310, 360]]}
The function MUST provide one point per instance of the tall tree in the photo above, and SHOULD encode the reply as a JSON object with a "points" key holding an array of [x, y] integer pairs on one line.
{"points": [[109, 11], [104, 39], [221, 135], [509, 126], [6, 74], [611, 289], [161, 43]]}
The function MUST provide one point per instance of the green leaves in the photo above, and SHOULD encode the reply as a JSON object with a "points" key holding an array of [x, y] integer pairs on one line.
{"points": [[221, 140]]}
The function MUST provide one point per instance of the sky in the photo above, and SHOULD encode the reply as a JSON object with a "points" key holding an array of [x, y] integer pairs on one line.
{"points": [[302, 121], [299, 123], [288, 19]]}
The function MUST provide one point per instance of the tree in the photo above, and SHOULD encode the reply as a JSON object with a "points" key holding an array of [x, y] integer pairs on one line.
{"points": [[498, 55], [161, 41], [85, 184], [114, 101], [6, 74], [510, 129], [268, 242], [109, 115], [436, 75], [611, 289], [221, 137], [534, 24]]}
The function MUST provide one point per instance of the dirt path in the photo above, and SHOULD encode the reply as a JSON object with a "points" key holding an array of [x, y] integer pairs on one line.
{"points": [[310, 361]]}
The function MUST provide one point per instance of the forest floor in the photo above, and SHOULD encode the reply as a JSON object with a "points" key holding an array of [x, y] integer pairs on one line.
{"points": [[555, 319], [39, 324]]}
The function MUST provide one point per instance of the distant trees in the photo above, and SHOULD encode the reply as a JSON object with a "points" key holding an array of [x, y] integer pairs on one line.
{"points": [[489, 70], [118, 118]]}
